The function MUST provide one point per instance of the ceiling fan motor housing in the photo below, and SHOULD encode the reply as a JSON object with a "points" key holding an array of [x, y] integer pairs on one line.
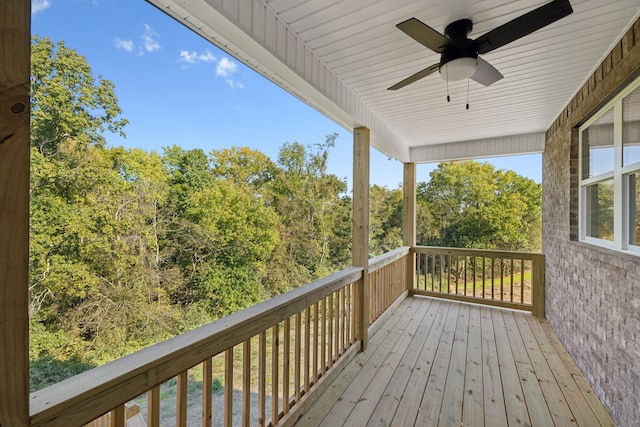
{"points": [[460, 49], [460, 46]]}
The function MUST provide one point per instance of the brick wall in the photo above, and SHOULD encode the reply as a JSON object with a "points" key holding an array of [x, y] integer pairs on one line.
{"points": [[592, 294]]}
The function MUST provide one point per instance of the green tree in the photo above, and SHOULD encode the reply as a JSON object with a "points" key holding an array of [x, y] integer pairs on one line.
{"points": [[385, 219], [311, 207], [67, 102], [243, 166], [473, 205]]}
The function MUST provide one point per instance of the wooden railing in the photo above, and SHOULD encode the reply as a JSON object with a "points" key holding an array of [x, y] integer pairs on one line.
{"points": [[387, 280], [266, 363], [500, 278]]}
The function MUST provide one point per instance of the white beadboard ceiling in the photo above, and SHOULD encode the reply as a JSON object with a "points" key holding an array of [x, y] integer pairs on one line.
{"points": [[339, 56]]}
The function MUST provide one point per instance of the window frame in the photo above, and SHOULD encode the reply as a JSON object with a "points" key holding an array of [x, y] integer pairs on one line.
{"points": [[620, 175]]}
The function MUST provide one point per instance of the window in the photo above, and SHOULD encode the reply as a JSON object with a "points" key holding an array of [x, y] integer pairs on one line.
{"points": [[610, 173]]}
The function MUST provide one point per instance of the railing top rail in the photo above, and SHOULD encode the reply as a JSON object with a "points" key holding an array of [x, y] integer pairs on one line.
{"points": [[79, 399], [387, 258], [478, 252]]}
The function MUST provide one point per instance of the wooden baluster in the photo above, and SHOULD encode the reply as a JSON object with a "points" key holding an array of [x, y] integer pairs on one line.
{"points": [[464, 272], [275, 352], [118, 417], [441, 270], [297, 351], [182, 395], [501, 279], [286, 365], [419, 268], [493, 275], [511, 293], [323, 341], [484, 261], [307, 348], [388, 287], [522, 281], [330, 336], [228, 387], [262, 379], [317, 324], [347, 316], [153, 407], [207, 393], [246, 382], [353, 312], [377, 297], [343, 320], [338, 314]]}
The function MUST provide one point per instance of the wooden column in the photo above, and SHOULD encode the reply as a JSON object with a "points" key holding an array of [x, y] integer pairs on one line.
{"points": [[360, 241], [15, 50], [409, 222]]}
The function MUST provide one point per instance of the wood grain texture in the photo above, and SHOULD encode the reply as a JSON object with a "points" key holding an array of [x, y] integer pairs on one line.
{"points": [[409, 205], [15, 48], [360, 230], [438, 362]]}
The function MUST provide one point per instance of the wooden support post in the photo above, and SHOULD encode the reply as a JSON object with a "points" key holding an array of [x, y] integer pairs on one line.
{"points": [[15, 51], [360, 244], [537, 285], [409, 222]]}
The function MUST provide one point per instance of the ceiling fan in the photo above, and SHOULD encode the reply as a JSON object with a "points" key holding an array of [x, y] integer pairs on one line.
{"points": [[459, 55]]}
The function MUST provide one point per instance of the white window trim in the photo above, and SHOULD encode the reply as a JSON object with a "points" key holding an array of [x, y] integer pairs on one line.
{"points": [[620, 180]]}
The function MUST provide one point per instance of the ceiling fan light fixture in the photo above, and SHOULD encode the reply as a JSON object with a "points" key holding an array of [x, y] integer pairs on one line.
{"points": [[458, 69]]}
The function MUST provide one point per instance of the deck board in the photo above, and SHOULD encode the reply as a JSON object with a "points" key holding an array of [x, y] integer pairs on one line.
{"points": [[437, 362]]}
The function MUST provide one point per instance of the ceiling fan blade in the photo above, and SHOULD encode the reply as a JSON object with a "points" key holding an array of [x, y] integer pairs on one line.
{"points": [[523, 25], [486, 74], [423, 34], [417, 76]]}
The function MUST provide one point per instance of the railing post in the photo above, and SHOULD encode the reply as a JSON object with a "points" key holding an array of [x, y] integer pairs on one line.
{"points": [[409, 222], [15, 49], [537, 285], [360, 243]]}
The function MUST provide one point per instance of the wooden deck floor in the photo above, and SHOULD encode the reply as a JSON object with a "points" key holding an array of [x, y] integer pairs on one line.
{"points": [[442, 363]]}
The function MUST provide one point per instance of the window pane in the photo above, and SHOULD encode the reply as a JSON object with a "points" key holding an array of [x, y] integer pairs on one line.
{"points": [[634, 208], [599, 214], [597, 147], [631, 128]]}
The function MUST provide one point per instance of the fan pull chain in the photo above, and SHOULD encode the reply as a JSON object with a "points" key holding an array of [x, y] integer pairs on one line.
{"points": [[446, 70], [467, 94]]}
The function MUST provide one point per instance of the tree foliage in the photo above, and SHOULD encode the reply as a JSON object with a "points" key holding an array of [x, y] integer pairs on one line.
{"points": [[472, 205]]}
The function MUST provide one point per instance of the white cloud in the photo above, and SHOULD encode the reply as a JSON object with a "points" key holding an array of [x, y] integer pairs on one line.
{"points": [[149, 39], [39, 6], [207, 57], [226, 67], [233, 84], [125, 45], [149, 42], [188, 57], [194, 57]]}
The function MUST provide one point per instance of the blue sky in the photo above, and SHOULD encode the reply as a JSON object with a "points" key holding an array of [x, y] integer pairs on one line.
{"points": [[176, 88]]}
